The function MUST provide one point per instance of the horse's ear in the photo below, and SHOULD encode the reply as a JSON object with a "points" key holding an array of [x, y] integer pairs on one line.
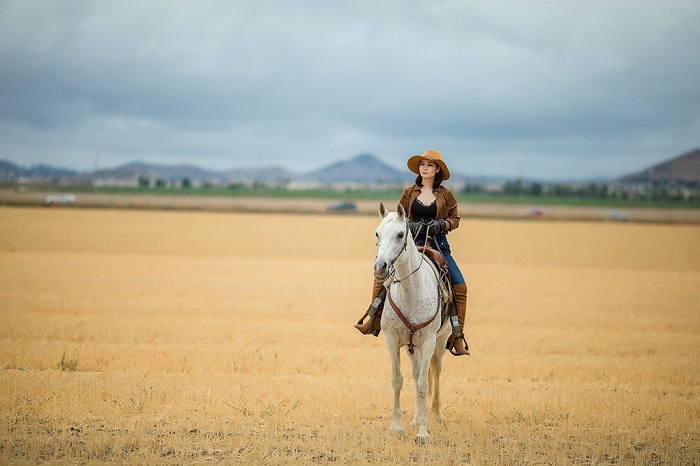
{"points": [[401, 211], [382, 210]]}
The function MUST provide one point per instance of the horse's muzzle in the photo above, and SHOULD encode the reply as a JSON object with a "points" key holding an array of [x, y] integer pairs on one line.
{"points": [[381, 270]]}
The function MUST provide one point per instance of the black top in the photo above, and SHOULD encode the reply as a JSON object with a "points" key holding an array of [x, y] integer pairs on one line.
{"points": [[420, 211]]}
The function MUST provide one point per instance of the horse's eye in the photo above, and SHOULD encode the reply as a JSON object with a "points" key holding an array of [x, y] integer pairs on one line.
{"points": [[400, 235]]}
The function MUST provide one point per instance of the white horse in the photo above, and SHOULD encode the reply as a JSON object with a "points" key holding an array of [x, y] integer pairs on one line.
{"points": [[411, 317]]}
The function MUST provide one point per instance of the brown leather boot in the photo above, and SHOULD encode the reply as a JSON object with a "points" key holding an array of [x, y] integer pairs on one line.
{"points": [[458, 342], [364, 327], [374, 312]]}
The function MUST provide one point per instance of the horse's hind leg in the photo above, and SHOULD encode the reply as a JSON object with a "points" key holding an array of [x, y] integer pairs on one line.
{"points": [[396, 383]]}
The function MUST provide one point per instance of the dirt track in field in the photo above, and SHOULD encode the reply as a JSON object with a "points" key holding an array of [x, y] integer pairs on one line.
{"points": [[227, 337]]}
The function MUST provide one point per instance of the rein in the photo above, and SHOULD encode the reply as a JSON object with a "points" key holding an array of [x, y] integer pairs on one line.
{"points": [[392, 270]]}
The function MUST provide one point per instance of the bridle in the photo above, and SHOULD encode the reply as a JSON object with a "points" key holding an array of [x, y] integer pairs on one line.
{"points": [[392, 271]]}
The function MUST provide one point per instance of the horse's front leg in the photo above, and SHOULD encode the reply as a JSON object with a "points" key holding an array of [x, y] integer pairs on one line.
{"points": [[435, 371], [421, 365], [396, 383], [415, 369]]}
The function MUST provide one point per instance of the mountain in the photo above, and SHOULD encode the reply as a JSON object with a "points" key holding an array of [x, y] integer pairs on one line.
{"points": [[683, 169], [169, 172], [10, 171], [135, 170], [271, 174], [365, 168], [176, 173]]}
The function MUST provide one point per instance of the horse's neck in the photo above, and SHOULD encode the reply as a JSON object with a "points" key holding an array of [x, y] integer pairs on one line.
{"points": [[406, 265]]}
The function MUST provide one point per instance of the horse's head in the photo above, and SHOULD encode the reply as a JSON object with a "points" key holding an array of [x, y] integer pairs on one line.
{"points": [[392, 239]]}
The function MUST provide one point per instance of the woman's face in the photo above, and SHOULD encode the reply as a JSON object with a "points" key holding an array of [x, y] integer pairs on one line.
{"points": [[428, 168]]}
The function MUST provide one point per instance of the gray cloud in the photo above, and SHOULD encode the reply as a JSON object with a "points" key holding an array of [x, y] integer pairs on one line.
{"points": [[534, 88]]}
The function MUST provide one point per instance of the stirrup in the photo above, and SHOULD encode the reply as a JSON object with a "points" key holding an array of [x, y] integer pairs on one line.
{"points": [[450, 346]]}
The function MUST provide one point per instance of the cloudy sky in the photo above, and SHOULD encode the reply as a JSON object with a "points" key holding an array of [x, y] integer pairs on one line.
{"points": [[535, 88]]}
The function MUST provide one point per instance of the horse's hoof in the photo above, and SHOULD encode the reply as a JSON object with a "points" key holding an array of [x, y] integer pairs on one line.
{"points": [[396, 430], [422, 440]]}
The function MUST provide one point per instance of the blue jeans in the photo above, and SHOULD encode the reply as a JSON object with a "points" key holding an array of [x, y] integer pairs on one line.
{"points": [[440, 243]]}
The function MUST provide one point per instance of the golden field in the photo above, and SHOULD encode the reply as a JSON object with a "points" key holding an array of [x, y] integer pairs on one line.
{"points": [[214, 337]]}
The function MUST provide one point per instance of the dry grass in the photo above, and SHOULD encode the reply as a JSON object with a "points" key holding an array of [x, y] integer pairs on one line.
{"points": [[218, 337]]}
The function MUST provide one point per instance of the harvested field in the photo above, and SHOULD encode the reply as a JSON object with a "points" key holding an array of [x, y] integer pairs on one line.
{"points": [[131, 336]]}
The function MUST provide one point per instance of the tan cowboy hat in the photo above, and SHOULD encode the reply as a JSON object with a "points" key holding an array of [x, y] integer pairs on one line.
{"points": [[432, 155]]}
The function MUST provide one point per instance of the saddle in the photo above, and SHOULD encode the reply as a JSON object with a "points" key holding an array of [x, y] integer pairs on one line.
{"points": [[434, 254]]}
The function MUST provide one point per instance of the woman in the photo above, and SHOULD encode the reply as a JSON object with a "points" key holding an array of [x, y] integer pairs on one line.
{"points": [[430, 207]]}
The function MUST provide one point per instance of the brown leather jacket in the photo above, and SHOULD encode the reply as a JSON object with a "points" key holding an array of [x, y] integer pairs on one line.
{"points": [[446, 204]]}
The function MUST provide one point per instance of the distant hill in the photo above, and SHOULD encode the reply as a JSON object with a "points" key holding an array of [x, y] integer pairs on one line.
{"points": [[683, 169], [271, 174], [138, 169], [10, 171], [362, 168], [176, 173], [170, 172], [367, 168]]}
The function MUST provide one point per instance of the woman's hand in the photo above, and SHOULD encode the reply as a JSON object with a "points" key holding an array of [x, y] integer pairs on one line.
{"points": [[436, 227], [417, 229], [433, 227]]}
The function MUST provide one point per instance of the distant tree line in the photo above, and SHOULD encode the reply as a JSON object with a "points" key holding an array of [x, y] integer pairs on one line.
{"points": [[657, 192], [589, 191], [186, 183], [145, 182]]}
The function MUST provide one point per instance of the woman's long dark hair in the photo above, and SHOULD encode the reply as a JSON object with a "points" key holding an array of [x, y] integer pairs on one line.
{"points": [[436, 182]]}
